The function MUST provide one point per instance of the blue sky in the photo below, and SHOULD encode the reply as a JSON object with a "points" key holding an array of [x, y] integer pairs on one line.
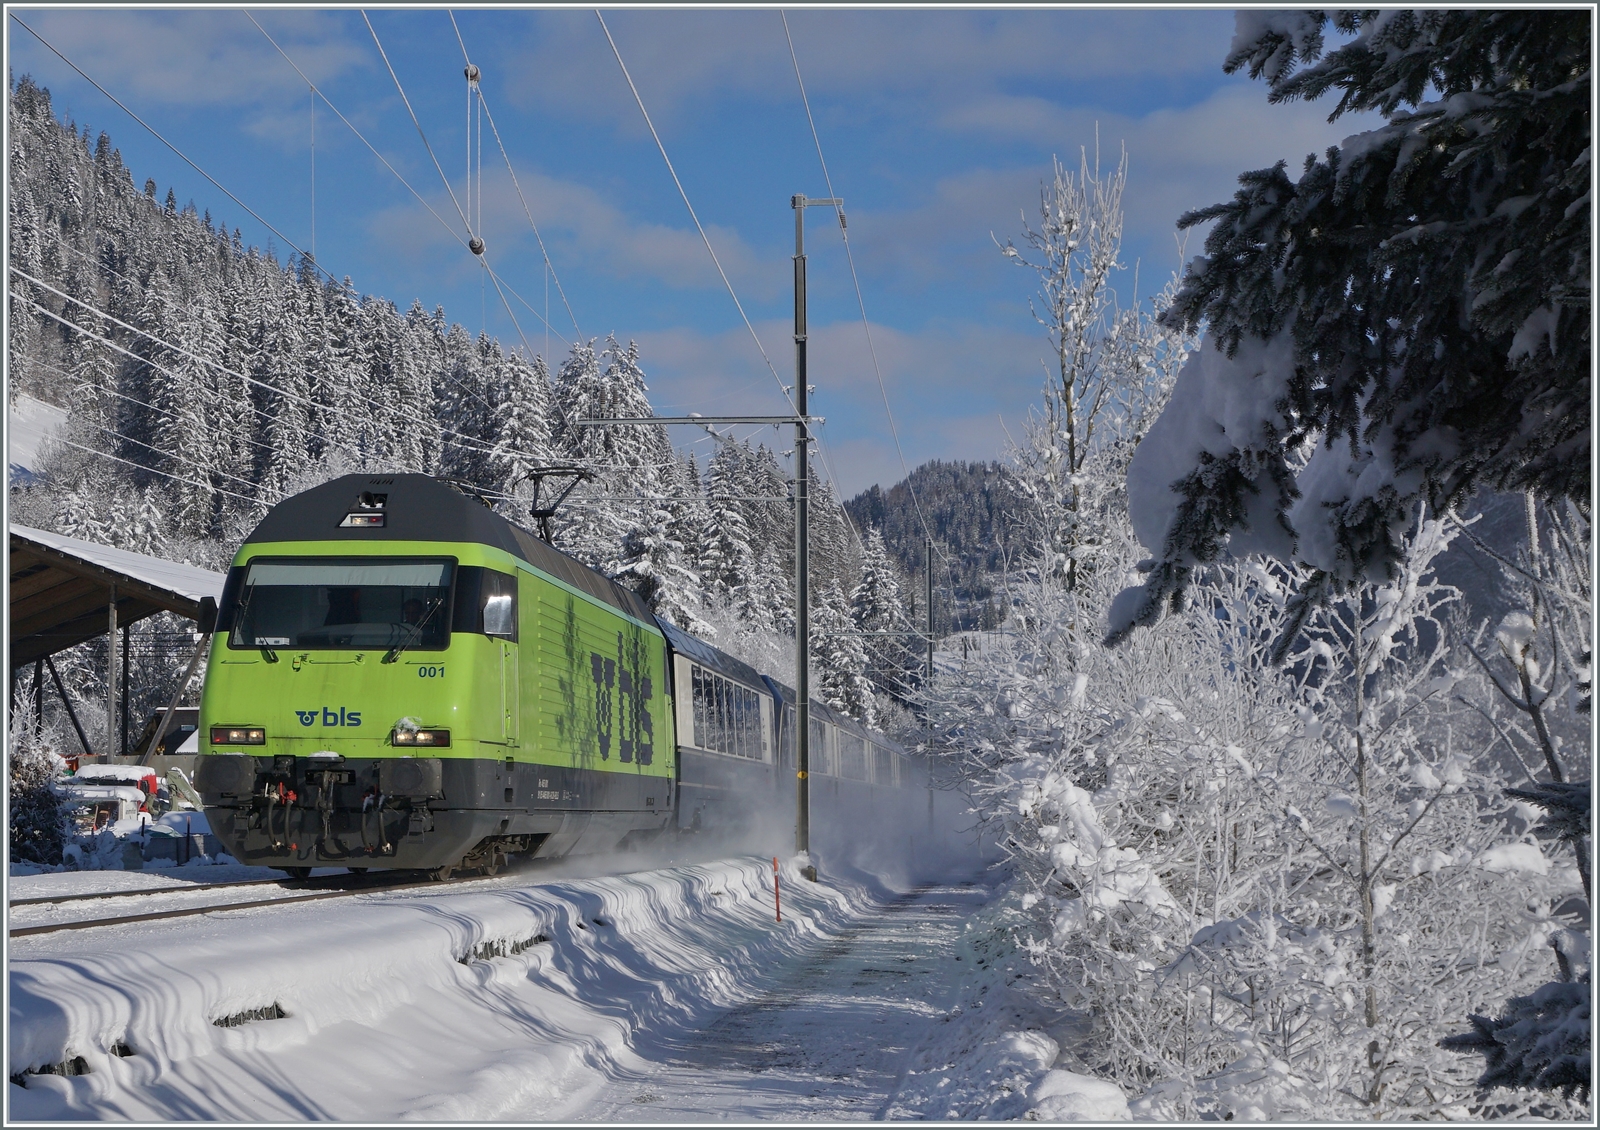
{"points": [[937, 126]]}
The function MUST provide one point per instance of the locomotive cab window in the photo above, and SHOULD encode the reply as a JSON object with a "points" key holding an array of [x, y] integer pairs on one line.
{"points": [[486, 603], [365, 602]]}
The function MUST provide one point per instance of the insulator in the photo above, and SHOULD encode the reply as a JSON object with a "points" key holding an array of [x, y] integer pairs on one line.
{"points": [[475, 245], [472, 72]]}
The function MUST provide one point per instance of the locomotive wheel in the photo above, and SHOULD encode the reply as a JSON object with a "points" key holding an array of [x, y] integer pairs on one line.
{"points": [[441, 874], [298, 872], [492, 865]]}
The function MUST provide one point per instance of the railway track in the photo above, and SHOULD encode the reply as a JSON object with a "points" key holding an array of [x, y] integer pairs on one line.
{"points": [[145, 891], [347, 887]]}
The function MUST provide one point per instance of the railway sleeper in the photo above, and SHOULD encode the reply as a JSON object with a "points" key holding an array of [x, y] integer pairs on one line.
{"points": [[72, 1065], [273, 1011], [501, 947]]}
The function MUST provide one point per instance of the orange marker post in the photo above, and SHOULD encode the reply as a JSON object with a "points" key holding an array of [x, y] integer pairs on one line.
{"points": [[777, 902]]}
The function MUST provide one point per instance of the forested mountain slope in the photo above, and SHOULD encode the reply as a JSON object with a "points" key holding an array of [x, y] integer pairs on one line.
{"points": [[973, 511]]}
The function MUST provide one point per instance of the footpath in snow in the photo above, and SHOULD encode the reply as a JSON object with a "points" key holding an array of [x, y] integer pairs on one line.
{"points": [[666, 995]]}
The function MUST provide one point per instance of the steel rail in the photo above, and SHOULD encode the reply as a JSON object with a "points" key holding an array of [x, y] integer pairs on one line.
{"points": [[145, 891], [211, 908]]}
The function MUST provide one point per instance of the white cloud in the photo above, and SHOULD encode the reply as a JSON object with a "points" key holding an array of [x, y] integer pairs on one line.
{"points": [[948, 386], [678, 58], [193, 58], [582, 230], [1179, 158]]}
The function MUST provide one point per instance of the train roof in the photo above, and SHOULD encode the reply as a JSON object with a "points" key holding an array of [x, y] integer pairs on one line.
{"points": [[710, 657], [836, 717], [422, 508]]}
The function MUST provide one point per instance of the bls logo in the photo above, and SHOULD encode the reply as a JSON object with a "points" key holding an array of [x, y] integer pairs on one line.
{"points": [[329, 717]]}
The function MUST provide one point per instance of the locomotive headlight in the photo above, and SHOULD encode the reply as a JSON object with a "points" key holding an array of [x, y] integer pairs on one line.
{"points": [[238, 735], [432, 738]]}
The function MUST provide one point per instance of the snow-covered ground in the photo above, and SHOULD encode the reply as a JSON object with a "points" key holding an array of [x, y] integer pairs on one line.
{"points": [[573, 994], [29, 422]]}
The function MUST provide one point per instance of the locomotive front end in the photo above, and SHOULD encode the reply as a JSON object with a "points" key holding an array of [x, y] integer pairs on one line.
{"points": [[354, 708]]}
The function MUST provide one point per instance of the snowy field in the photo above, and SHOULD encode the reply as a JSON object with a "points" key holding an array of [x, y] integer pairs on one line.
{"points": [[568, 994]]}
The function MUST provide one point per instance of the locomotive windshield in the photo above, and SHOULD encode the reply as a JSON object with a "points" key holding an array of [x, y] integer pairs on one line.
{"points": [[333, 602]]}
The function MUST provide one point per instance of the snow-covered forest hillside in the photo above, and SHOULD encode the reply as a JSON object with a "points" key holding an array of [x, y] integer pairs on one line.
{"points": [[205, 380], [971, 510]]}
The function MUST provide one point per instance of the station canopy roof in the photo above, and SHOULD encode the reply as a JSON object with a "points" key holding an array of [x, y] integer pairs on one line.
{"points": [[61, 590]]}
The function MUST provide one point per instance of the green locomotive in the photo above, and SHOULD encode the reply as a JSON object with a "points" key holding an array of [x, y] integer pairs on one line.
{"points": [[401, 678]]}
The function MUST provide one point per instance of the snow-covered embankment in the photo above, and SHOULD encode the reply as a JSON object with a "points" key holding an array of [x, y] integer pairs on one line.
{"points": [[445, 1005]]}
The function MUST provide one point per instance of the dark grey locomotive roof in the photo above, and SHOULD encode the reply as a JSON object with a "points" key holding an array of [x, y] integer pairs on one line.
{"points": [[423, 508]]}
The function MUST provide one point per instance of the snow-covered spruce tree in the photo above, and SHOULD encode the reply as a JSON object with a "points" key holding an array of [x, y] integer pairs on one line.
{"points": [[1542, 1041], [416, 444], [37, 818], [1417, 302], [835, 554], [839, 659], [727, 560], [684, 498], [768, 601], [626, 459], [281, 366], [524, 439], [771, 521], [651, 564], [879, 612]]}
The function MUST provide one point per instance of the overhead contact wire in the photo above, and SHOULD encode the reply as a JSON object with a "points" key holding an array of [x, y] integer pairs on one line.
{"points": [[397, 175], [446, 180], [866, 325], [698, 226]]}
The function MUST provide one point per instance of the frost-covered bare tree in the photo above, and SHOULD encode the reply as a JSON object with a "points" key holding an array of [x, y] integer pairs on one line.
{"points": [[1248, 877], [1533, 691], [1074, 254]]}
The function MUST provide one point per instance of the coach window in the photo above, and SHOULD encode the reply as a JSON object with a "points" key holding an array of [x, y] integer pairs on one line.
{"points": [[821, 761], [786, 737], [883, 765], [727, 716], [852, 756]]}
